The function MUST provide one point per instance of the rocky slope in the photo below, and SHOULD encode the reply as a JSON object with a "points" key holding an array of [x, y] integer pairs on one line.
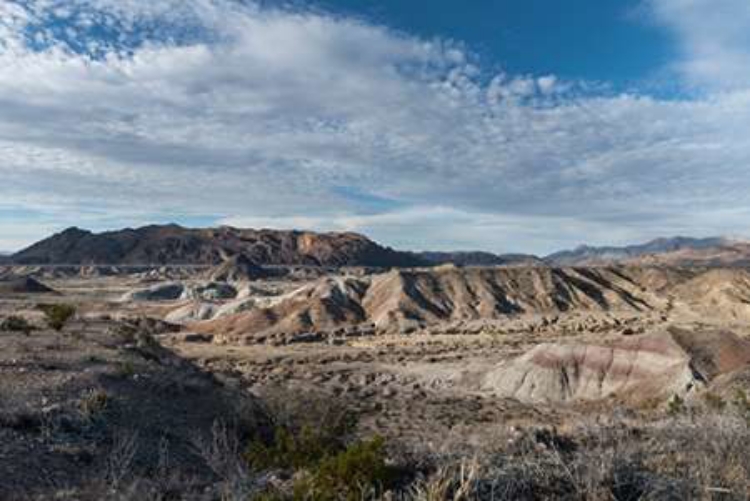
{"points": [[723, 293], [80, 413], [23, 285], [176, 245], [238, 268]]}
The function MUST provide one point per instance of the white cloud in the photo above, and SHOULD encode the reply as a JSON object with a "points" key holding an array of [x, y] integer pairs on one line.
{"points": [[714, 37], [450, 229], [263, 116]]}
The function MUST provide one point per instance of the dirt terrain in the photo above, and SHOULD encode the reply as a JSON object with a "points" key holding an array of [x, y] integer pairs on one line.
{"points": [[441, 362]]}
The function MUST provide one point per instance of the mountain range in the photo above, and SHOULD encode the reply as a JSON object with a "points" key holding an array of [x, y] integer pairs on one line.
{"points": [[479, 258], [173, 244], [676, 250]]}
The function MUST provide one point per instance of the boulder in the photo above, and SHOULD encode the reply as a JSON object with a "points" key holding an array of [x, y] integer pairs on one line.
{"points": [[160, 292], [192, 312], [211, 291]]}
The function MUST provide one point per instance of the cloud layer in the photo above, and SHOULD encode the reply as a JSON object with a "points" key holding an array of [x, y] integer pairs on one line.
{"points": [[714, 40], [122, 112]]}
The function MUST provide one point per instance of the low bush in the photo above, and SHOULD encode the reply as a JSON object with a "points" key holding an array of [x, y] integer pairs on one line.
{"points": [[740, 401], [688, 456], [320, 453], [358, 472], [676, 406], [93, 403], [57, 315], [292, 450], [306, 429], [714, 401], [124, 369], [16, 324]]}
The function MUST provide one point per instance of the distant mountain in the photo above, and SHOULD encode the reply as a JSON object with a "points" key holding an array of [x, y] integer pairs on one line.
{"points": [[478, 258], [172, 244], [715, 251]]}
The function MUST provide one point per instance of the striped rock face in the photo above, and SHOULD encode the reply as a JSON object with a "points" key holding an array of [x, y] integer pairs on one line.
{"points": [[656, 365]]}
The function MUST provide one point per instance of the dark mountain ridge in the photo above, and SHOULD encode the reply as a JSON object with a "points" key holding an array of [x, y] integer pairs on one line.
{"points": [[479, 258], [173, 244]]}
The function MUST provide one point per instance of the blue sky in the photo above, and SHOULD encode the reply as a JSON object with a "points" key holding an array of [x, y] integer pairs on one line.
{"points": [[611, 41], [503, 126]]}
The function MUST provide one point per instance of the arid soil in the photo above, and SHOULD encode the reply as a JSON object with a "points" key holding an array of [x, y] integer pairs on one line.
{"points": [[85, 408], [445, 362]]}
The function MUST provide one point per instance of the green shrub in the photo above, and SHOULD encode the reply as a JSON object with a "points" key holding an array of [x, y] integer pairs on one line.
{"points": [[675, 406], [740, 399], [291, 450], [93, 403], [321, 454], [302, 435], [57, 315], [742, 404], [16, 324], [125, 369], [358, 472], [714, 401]]}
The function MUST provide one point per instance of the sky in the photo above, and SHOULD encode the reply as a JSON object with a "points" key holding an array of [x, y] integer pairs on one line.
{"points": [[505, 125]]}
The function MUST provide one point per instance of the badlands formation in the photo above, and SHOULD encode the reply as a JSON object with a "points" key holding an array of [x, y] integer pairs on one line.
{"points": [[558, 335], [442, 361], [630, 333]]}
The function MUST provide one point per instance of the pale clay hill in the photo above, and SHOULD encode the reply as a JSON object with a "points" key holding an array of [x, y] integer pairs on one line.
{"points": [[402, 301], [638, 368]]}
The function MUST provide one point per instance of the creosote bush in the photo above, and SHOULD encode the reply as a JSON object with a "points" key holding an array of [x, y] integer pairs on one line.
{"points": [[57, 315], [323, 458], [93, 403], [305, 429], [714, 401], [291, 449], [675, 406], [324, 473], [15, 323], [125, 369], [357, 472]]}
